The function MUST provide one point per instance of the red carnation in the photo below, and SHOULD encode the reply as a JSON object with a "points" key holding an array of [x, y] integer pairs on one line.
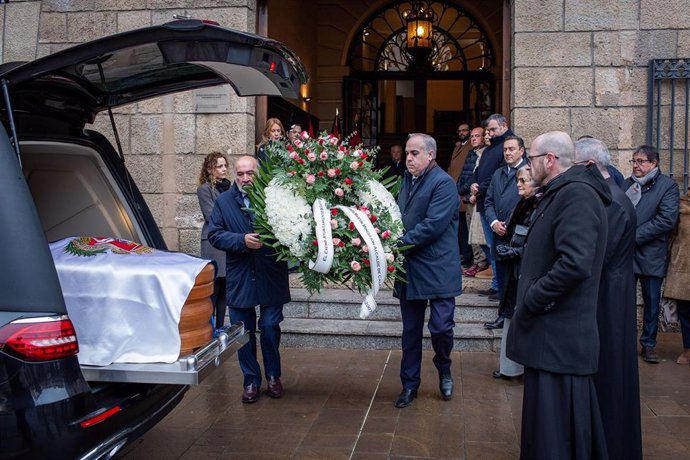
{"points": [[300, 161], [364, 156], [292, 173], [360, 163], [314, 243], [365, 261], [290, 148], [337, 171], [320, 173], [373, 218], [341, 244], [351, 226], [348, 181], [334, 212], [391, 269]]}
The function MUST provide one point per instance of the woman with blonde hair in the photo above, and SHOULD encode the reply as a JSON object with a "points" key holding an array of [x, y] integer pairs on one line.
{"points": [[273, 132], [213, 180]]}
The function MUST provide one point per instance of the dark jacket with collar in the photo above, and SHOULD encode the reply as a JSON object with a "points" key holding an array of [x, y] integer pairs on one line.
{"points": [[254, 276], [657, 213], [430, 213], [502, 195], [554, 327], [491, 160], [467, 175]]}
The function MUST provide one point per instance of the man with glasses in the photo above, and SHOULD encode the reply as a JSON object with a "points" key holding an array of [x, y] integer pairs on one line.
{"points": [[254, 277], [656, 199], [553, 332], [429, 205], [491, 160], [457, 161]]}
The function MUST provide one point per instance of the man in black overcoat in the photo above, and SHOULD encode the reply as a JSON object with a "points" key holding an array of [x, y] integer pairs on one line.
{"points": [[617, 381], [554, 329]]}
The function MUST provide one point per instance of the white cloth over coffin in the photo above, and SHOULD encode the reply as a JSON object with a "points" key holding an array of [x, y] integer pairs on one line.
{"points": [[126, 307]]}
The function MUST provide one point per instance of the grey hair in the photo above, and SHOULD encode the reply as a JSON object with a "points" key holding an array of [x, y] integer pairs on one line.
{"points": [[590, 149], [428, 141], [560, 144], [500, 119]]}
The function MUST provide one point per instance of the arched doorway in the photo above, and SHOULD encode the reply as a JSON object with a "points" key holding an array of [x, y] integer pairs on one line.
{"points": [[396, 87]]}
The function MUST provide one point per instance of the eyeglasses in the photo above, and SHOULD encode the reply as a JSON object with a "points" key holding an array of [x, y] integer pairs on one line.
{"points": [[639, 162], [529, 158], [522, 180]]}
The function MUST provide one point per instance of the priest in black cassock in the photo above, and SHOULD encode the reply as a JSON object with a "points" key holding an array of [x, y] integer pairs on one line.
{"points": [[554, 329], [617, 381]]}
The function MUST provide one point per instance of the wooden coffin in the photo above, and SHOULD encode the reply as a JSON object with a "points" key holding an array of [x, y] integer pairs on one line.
{"points": [[195, 318]]}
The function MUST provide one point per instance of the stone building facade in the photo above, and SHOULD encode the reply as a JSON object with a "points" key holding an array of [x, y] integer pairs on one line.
{"points": [[580, 66]]}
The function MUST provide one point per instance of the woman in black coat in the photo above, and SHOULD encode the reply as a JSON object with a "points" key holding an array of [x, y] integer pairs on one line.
{"points": [[213, 180], [509, 251]]}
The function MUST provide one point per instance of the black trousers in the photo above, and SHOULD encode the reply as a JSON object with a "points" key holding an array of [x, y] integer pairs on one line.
{"points": [[560, 418], [466, 255]]}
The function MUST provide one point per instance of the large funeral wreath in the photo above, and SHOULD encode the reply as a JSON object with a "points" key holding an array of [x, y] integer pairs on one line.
{"points": [[321, 205]]}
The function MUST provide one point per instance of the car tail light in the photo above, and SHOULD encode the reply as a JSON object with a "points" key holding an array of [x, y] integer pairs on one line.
{"points": [[96, 419], [40, 339]]}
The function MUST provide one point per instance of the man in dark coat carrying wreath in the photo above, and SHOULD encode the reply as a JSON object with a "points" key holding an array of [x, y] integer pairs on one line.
{"points": [[554, 329], [430, 206], [617, 381], [254, 278]]}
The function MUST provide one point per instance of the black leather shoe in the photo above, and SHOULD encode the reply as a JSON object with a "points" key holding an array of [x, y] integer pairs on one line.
{"points": [[406, 397], [250, 394], [275, 388], [445, 384], [498, 375], [495, 324]]}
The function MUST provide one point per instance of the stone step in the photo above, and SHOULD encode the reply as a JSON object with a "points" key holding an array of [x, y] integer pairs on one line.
{"points": [[345, 304], [345, 333], [468, 284]]}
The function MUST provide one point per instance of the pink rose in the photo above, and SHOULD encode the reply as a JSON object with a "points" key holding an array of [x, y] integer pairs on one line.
{"points": [[297, 142], [340, 155], [365, 248], [378, 230], [311, 156], [294, 155], [323, 155], [310, 179], [385, 235], [355, 266], [333, 140], [331, 173], [336, 241], [334, 224], [356, 241], [390, 257], [354, 165], [305, 135], [339, 192]]}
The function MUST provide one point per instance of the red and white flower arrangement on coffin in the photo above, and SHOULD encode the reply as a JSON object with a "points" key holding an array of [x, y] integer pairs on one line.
{"points": [[319, 202]]}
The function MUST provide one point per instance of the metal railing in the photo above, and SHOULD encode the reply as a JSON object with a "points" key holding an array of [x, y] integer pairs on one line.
{"points": [[668, 113]]}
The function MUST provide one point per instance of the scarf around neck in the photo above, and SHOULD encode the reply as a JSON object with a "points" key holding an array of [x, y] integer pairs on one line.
{"points": [[634, 192]]}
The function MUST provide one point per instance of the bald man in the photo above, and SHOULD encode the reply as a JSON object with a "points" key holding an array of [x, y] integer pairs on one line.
{"points": [[254, 278]]}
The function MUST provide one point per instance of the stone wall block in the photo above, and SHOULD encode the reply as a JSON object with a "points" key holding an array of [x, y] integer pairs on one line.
{"points": [[537, 15], [683, 44], [553, 49], [222, 132], [232, 18], [147, 173], [551, 87], [530, 123], [52, 28], [150, 106], [190, 241], [67, 5], [622, 128], [127, 5], [146, 134], [188, 213], [187, 173], [633, 48], [620, 86], [130, 20], [161, 4], [670, 14], [21, 30], [155, 203], [185, 133], [84, 27], [598, 15]]}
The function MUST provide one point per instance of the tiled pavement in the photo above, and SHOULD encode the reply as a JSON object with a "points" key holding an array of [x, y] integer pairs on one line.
{"points": [[339, 405]]}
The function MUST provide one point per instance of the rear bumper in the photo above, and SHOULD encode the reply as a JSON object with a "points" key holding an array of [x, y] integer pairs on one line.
{"points": [[188, 370]]}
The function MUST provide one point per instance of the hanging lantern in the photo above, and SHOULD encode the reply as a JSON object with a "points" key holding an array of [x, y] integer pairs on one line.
{"points": [[419, 26]]}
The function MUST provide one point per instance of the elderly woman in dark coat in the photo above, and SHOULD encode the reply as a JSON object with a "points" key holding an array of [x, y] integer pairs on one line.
{"points": [[509, 251], [213, 180]]}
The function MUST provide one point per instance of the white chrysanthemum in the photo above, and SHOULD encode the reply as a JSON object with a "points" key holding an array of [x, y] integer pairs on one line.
{"points": [[376, 196], [289, 216]]}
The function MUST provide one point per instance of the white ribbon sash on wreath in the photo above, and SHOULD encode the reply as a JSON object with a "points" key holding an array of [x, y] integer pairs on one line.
{"points": [[377, 258], [324, 259], [324, 238]]}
